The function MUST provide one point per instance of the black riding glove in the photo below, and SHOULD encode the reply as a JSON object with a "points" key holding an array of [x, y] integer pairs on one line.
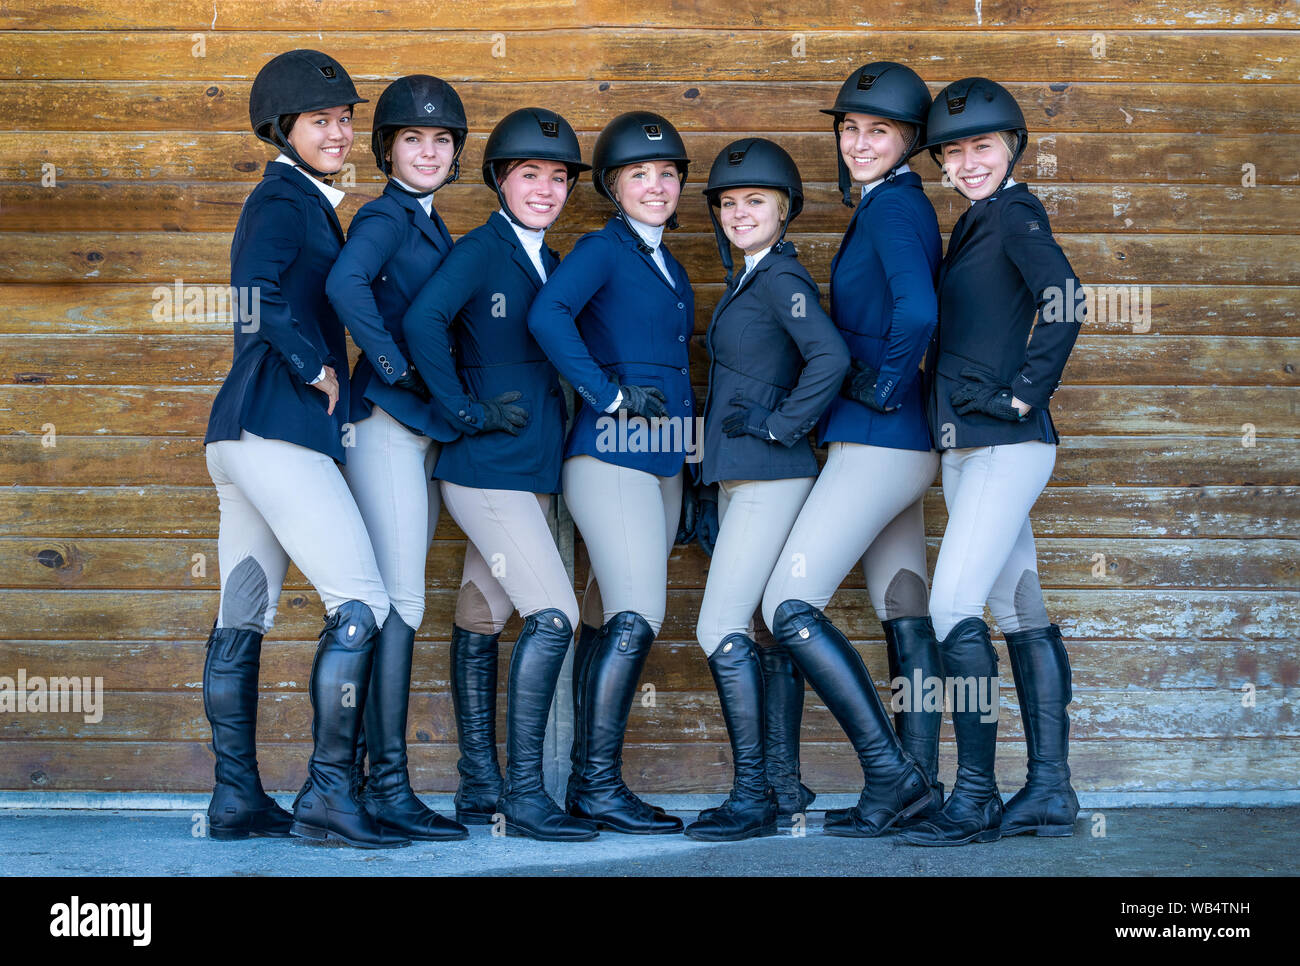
{"points": [[860, 386], [747, 418], [980, 394], [413, 382], [499, 415], [644, 401]]}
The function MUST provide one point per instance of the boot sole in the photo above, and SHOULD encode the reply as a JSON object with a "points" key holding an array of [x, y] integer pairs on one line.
{"points": [[428, 836], [762, 833], [1043, 831], [979, 838], [519, 832], [603, 826], [321, 836], [230, 835]]}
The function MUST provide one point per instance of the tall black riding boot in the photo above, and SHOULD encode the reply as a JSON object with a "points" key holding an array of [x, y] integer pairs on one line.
{"points": [[474, 700], [618, 657], [973, 812], [896, 786], [582, 652], [239, 806], [388, 796], [751, 808], [1047, 804], [534, 670], [327, 808], [783, 713], [913, 656]]}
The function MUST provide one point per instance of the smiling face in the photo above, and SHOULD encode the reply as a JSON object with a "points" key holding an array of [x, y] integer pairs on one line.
{"points": [[872, 146], [976, 165], [649, 191], [535, 191], [751, 217], [323, 138], [422, 156]]}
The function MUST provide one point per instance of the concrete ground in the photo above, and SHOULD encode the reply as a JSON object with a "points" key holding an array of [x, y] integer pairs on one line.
{"points": [[1107, 842]]}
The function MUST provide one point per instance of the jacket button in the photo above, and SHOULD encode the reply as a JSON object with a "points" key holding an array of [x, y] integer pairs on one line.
{"points": [[461, 414], [681, 305], [681, 338], [683, 372], [726, 648]]}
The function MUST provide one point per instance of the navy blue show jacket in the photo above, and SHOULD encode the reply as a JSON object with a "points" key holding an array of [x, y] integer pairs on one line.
{"points": [[393, 248], [476, 306], [883, 302], [609, 317], [1003, 268], [770, 342], [284, 245]]}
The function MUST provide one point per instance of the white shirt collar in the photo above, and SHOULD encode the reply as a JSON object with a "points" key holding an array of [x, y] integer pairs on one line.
{"points": [[652, 235], [426, 202], [531, 238], [752, 260], [903, 168], [331, 193]]}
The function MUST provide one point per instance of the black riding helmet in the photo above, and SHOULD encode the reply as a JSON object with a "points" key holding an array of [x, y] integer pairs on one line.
{"points": [[752, 163], [419, 100], [974, 106], [633, 138], [531, 132], [881, 89], [296, 82]]}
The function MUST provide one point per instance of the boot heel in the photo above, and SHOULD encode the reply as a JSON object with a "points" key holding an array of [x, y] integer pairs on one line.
{"points": [[309, 832]]}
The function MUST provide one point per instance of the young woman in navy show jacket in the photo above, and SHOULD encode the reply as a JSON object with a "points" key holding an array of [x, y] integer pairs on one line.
{"points": [[394, 244], [777, 361], [988, 409], [616, 318], [866, 504], [276, 430], [497, 478]]}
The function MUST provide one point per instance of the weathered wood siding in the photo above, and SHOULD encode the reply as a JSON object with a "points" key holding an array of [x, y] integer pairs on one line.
{"points": [[1164, 143]]}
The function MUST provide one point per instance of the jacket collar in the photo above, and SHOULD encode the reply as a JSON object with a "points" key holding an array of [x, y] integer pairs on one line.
{"points": [[429, 224], [905, 179], [506, 232], [634, 241], [740, 282], [308, 188]]}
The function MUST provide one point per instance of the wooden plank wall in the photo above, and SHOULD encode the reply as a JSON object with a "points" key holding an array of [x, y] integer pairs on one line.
{"points": [[1164, 144]]}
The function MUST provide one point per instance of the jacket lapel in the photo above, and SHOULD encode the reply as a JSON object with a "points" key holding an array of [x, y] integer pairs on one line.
{"points": [[303, 184], [506, 232], [633, 241], [430, 226]]}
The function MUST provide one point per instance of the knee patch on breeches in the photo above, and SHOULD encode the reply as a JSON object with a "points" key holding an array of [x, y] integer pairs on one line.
{"points": [[906, 596], [759, 631], [1030, 611], [246, 599], [474, 613], [593, 611]]}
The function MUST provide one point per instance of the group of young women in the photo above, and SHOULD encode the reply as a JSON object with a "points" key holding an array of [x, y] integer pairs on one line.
{"points": [[923, 360]]}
